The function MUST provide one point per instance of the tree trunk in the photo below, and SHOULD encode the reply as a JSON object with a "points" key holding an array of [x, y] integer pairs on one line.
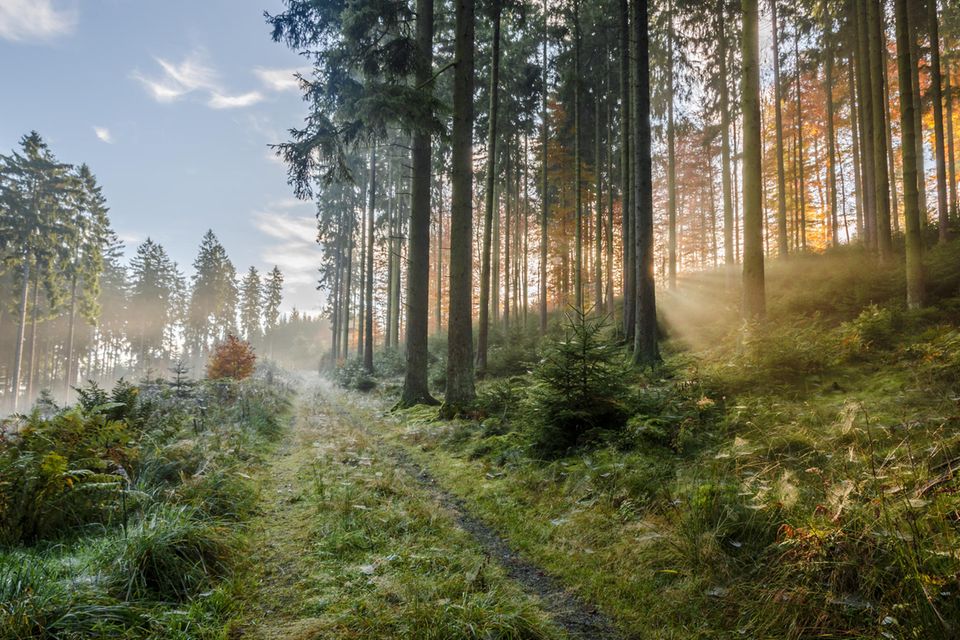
{"points": [[21, 330], [598, 226], [783, 243], [577, 162], [911, 196], [831, 133], [483, 328], [671, 160], [725, 141], [544, 195], [347, 291], [368, 303], [936, 86], [801, 178], [508, 220], [628, 226], [439, 262], [416, 386], [460, 390], [609, 229], [882, 177], [754, 297], [950, 142], [362, 280], [865, 120], [71, 333], [888, 129], [915, 20], [32, 357], [858, 178], [645, 349], [526, 228]]}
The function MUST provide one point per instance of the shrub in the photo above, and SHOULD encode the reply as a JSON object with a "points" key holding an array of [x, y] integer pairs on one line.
{"points": [[352, 375], [876, 328], [233, 358], [578, 387], [61, 473]]}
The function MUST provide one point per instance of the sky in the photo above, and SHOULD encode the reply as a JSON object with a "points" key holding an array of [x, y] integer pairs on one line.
{"points": [[172, 103]]}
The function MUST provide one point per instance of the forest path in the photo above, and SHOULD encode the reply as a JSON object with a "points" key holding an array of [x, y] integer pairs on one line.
{"points": [[580, 620], [336, 437]]}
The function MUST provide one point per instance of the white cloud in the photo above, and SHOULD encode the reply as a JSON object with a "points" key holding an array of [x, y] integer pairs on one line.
{"points": [[177, 80], [192, 75], [294, 248], [130, 238], [31, 20], [279, 79], [104, 134], [220, 101]]}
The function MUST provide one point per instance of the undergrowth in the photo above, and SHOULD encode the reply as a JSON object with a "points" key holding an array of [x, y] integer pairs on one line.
{"points": [[122, 516], [787, 479]]}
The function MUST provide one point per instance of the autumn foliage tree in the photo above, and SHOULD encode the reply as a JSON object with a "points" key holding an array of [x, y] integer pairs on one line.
{"points": [[233, 358]]}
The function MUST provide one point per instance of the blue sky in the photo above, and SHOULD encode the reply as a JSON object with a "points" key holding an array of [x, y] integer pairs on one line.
{"points": [[172, 104]]}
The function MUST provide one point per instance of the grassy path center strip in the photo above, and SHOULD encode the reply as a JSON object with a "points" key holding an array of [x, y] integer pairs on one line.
{"points": [[351, 545]]}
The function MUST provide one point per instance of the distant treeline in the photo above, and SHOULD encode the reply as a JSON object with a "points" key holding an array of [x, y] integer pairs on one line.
{"points": [[71, 309]]}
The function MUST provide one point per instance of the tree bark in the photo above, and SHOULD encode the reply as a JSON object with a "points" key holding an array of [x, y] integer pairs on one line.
{"points": [[911, 196], [915, 20], [368, 304], [671, 160], [865, 120], [483, 328], [801, 177], [725, 176], [627, 177], [598, 226], [577, 163], [936, 87], [460, 390], [34, 312], [544, 190], [882, 184], [21, 330], [754, 296], [71, 334], [783, 242], [858, 177], [950, 141], [416, 387], [831, 116], [645, 349]]}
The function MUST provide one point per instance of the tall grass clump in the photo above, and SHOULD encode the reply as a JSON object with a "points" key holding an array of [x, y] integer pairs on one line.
{"points": [[170, 553]]}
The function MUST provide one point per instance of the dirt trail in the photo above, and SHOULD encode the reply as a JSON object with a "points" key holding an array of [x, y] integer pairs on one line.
{"points": [[578, 618], [281, 539]]}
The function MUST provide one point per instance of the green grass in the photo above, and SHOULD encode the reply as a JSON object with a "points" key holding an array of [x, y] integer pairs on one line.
{"points": [[785, 480], [136, 513], [377, 556]]}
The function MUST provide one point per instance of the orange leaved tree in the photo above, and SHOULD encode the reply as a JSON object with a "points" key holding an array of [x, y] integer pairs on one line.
{"points": [[233, 358]]}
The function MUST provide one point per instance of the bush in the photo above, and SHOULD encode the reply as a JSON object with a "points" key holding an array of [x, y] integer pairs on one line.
{"points": [[352, 375], [578, 387], [876, 328], [233, 358], [61, 473]]}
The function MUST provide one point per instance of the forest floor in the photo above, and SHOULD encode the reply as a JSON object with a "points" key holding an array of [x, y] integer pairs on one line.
{"points": [[356, 540]]}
